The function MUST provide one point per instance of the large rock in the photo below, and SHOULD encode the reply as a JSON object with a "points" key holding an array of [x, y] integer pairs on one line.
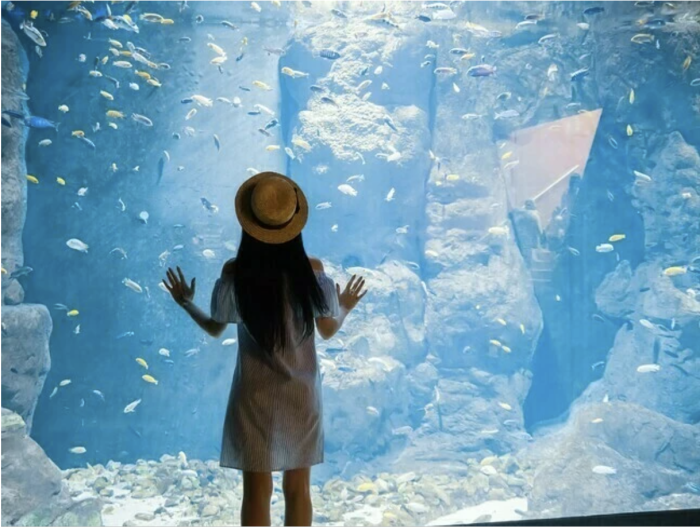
{"points": [[639, 454], [14, 170], [33, 492], [25, 357]]}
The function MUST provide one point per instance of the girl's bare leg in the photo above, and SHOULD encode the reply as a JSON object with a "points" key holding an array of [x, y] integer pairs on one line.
{"points": [[257, 492], [297, 496]]}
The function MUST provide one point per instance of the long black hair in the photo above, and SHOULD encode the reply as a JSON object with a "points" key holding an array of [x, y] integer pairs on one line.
{"points": [[261, 273]]}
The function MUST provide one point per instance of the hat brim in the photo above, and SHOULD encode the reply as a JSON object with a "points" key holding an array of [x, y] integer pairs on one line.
{"points": [[257, 230]]}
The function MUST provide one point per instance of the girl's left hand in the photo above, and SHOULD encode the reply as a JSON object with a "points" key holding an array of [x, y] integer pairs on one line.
{"points": [[178, 288]]}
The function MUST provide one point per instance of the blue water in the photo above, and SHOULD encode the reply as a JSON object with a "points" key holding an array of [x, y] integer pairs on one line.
{"points": [[499, 341]]}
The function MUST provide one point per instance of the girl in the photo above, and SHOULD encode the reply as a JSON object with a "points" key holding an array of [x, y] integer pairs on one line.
{"points": [[274, 292]]}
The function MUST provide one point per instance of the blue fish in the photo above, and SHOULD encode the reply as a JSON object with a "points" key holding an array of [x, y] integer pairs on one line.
{"points": [[481, 70], [186, 100], [329, 54], [328, 100], [244, 88], [87, 142], [254, 112], [240, 57], [34, 121], [272, 124], [424, 18], [264, 132], [208, 205], [316, 88]]}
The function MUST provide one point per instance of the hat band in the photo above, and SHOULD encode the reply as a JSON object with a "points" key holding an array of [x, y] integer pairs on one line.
{"points": [[286, 223]]}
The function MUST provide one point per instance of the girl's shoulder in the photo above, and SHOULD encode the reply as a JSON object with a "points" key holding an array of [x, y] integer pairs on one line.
{"points": [[227, 269], [316, 264]]}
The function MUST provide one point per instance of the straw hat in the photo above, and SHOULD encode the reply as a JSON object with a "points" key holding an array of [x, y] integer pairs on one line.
{"points": [[271, 207]]}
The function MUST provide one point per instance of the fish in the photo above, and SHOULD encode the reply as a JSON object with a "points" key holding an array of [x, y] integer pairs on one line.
{"points": [[324, 205], [209, 206], [217, 142], [301, 143], [143, 216], [604, 248], [390, 195], [21, 271], [125, 64], [604, 470], [481, 70], [347, 189], [548, 37], [579, 74], [289, 152], [149, 379], [115, 114], [255, 7], [641, 176], [129, 408], [132, 285], [99, 394], [209, 254], [329, 54], [505, 406], [77, 245], [573, 251], [191, 352], [642, 38], [506, 114], [33, 33], [262, 85], [631, 96], [585, 26], [120, 251], [64, 382], [445, 70], [142, 119], [77, 450], [616, 237], [164, 352], [630, 131], [675, 270], [72, 313], [648, 368], [134, 86], [695, 82], [686, 63], [142, 362], [228, 342]]}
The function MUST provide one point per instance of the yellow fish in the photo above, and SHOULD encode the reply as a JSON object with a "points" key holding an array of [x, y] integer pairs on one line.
{"points": [[149, 378], [218, 61], [506, 349], [366, 487], [142, 362], [244, 41], [167, 21], [501, 321], [60, 181], [616, 237], [78, 133], [669, 271], [507, 155], [107, 95], [632, 96], [217, 49], [522, 328], [115, 43], [686, 62], [452, 177], [597, 420], [261, 85], [467, 56], [125, 52], [95, 73], [154, 82], [630, 132], [113, 125], [143, 74], [73, 313], [63, 108], [505, 406], [3, 270], [32, 179], [495, 342], [105, 59], [272, 148], [34, 14], [114, 114]]}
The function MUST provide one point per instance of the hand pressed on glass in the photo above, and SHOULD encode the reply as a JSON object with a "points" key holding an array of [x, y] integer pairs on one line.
{"points": [[350, 296], [178, 288]]}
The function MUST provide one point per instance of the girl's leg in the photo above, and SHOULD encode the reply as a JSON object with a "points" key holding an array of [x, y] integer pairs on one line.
{"points": [[297, 496], [257, 492]]}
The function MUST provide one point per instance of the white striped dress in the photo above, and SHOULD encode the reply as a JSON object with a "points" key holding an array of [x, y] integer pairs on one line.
{"points": [[274, 416]]}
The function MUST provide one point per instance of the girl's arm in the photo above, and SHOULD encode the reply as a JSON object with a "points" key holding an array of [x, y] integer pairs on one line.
{"points": [[208, 324], [183, 295]]}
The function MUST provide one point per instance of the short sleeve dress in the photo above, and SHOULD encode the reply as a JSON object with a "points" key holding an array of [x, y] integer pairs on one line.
{"points": [[274, 415]]}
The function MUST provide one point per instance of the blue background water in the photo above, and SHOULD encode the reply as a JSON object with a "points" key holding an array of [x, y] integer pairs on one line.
{"points": [[422, 310]]}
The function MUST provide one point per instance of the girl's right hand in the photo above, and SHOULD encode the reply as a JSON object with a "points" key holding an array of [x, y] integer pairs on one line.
{"points": [[350, 296]]}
